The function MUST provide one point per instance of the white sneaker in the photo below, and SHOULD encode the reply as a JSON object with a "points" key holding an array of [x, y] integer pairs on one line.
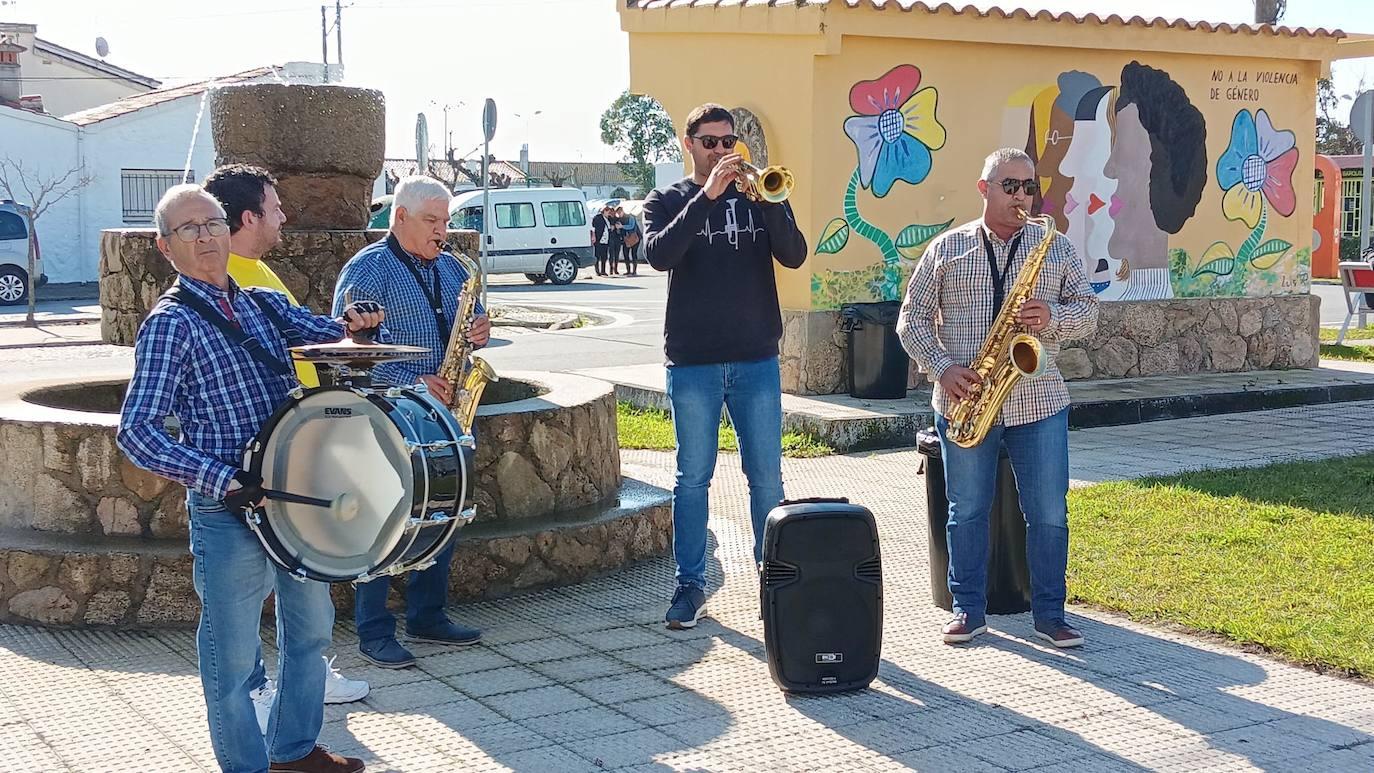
{"points": [[262, 703], [339, 688]]}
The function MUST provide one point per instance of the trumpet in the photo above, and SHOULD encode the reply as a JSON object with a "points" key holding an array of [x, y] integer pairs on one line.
{"points": [[771, 184]]}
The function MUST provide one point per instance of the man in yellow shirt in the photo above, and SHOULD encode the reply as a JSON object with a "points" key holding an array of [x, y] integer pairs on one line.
{"points": [[250, 200], [249, 196]]}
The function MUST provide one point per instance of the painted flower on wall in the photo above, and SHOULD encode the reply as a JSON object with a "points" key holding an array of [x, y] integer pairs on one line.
{"points": [[895, 130], [1256, 171], [895, 133], [1257, 167]]}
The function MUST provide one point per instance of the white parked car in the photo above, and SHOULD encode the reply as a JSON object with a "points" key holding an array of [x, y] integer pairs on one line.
{"points": [[14, 255], [542, 233]]}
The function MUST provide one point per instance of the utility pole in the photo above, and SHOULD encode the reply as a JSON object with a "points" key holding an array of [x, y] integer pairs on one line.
{"points": [[338, 29], [324, 42]]}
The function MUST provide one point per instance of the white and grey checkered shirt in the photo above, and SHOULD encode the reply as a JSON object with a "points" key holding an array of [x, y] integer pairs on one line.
{"points": [[948, 310]]}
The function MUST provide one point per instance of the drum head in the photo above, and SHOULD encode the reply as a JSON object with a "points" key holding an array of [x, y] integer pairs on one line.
{"points": [[331, 443]]}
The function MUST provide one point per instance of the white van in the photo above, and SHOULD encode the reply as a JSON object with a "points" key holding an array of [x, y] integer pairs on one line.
{"points": [[542, 233]]}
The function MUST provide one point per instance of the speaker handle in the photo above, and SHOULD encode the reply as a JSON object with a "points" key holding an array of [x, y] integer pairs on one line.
{"points": [[816, 500]]}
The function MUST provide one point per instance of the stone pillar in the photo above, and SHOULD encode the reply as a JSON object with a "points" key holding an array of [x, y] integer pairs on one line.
{"points": [[324, 144]]}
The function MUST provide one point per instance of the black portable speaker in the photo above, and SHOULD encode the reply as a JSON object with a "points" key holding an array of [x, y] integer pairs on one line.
{"points": [[822, 595]]}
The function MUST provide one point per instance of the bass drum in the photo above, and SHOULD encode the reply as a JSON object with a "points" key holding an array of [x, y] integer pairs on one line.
{"points": [[394, 464]]}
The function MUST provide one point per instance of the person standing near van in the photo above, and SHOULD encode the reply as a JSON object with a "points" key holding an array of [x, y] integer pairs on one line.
{"points": [[617, 239], [720, 335], [630, 237], [421, 285], [601, 238]]}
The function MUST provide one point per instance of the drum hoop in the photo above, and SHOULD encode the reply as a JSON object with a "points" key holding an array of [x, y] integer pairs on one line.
{"points": [[254, 457], [451, 426]]}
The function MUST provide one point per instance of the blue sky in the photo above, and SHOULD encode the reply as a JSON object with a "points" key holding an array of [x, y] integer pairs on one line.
{"points": [[566, 59]]}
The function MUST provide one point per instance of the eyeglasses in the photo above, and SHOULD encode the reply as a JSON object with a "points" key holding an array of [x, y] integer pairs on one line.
{"points": [[709, 142], [1011, 186], [215, 226]]}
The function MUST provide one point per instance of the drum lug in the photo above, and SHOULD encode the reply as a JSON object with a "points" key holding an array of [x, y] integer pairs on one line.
{"points": [[438, 445], [468, 514], [299, 575], [394, 392], [297, 392], [467, 441], [421, 567]]}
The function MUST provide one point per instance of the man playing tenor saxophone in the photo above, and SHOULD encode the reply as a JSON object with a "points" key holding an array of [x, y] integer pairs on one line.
{"points": [[422, 285], [951, 303]]}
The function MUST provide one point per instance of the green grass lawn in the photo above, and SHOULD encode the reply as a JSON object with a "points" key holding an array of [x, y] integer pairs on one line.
{"points": [[1279, 556], [651, 429], [1358, 346]]}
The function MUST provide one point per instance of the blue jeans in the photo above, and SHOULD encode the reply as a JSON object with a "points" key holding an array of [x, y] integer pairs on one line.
{"points": [[426, 593], [233, 577], [1039, 454], [752, 393]]}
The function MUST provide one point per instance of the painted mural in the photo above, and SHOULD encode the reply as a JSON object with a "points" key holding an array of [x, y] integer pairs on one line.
{"points": [[1124, 164], [1256, 172], [895, 132]]}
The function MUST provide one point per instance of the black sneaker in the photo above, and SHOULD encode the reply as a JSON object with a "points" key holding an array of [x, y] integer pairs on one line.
{"points": [[689, 606]]}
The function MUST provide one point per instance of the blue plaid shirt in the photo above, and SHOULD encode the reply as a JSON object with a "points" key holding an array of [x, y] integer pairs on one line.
{"points": [[377, 274], [184, 367]]}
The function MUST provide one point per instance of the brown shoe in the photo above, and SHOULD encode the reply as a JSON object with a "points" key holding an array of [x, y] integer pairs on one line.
{"points": [[1058, 633], [320, 760], [958, 630]]}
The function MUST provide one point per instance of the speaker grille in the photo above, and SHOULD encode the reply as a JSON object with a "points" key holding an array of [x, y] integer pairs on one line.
{"points": [[776, 573], [870, 570]]}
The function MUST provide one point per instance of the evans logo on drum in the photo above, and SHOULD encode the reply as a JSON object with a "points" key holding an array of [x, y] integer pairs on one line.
{"points": [[338, 411]]}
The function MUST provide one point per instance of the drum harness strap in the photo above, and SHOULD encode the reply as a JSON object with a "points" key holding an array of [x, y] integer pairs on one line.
{"points": [[179, 294]]}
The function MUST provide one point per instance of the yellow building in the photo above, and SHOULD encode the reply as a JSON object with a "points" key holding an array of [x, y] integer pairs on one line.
{"points": [[1177, 157]]}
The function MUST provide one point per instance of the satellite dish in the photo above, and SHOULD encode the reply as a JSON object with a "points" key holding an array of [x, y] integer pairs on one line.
{"points": [[102, 48]]}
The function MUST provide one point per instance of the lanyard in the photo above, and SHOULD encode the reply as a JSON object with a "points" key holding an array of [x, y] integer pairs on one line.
{"points": [[999, 278], [435, 298]]}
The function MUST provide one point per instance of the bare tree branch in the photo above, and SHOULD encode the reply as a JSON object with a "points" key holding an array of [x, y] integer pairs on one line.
{"points": [[50, 191]]}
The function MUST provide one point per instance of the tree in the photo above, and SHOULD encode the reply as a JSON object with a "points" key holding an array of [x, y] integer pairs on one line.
{"points": [[1269, 11], [39, 191], [559, 176], [639, 127], [1333, 137]]}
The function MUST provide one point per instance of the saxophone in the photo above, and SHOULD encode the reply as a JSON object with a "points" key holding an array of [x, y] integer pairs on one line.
{"points": [[465, 374], [1009, 353]]}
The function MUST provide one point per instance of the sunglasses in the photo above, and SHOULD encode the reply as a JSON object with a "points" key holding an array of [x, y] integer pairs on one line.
{"points": [[709, 142], [1010, 186]]}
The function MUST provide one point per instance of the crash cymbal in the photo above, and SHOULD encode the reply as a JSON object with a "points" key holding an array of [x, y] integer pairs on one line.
{"points": [[350, 352]]}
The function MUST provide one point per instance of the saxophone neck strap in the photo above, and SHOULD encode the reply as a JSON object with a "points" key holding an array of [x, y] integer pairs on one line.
{"points": [[999, 278], [435, 296]]}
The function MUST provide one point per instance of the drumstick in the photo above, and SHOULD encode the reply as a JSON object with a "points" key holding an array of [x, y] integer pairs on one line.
{"points": [[300, 499], [344, 506]]}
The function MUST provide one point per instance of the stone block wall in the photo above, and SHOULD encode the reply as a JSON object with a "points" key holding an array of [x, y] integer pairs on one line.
{"points": [[1210, 335], [133, 273], [1133, 338]]}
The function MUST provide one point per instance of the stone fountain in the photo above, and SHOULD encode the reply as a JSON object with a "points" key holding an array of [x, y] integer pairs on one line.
{"points": [[88, 539]]}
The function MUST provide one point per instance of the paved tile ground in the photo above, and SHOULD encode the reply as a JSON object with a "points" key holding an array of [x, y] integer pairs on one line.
{"points": [[586, 678]]}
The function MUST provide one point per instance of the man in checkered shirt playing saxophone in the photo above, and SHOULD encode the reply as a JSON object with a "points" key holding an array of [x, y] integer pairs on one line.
{"points": [[952, 299]]}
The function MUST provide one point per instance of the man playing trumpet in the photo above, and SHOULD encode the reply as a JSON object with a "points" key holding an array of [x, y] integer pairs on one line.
{"points": [[720, 334]]}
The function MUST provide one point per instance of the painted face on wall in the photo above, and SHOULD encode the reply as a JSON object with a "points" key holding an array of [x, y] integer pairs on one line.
{"points": [[1057, 136], [1087, 204], [1138, 239]]}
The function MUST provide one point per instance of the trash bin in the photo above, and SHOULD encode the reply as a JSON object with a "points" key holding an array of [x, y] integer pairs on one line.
{"points": [[1009, 590], [877, 363]]}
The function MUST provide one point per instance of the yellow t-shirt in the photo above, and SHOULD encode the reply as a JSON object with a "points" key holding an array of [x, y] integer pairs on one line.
{"points": [[249, 272]]}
